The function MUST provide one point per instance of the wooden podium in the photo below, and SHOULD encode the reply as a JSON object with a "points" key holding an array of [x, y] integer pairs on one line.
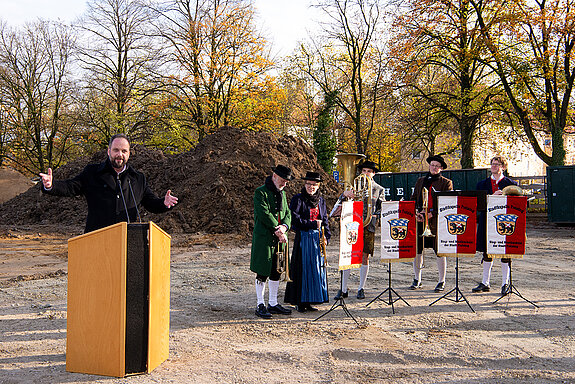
{"points": [[118, 300]]}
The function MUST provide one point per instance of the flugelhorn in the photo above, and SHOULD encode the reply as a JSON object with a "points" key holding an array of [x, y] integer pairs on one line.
{"points": [[426, 230], [282, 260]]}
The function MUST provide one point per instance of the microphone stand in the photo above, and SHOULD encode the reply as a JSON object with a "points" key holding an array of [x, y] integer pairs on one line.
{"points": [[134, 199], [123, 199]]}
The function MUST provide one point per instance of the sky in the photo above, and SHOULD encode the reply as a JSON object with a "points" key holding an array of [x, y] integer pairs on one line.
{"points": [[284, 22]]}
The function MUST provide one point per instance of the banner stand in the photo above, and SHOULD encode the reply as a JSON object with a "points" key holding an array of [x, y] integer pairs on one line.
{"points": [[511, 290], [339, 302], [390, 291], [458, 294]]}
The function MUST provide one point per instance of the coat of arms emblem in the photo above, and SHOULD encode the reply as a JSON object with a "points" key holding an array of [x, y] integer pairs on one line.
{"points": [[456, 223], [505, 224], [398, 228], [351, 232]]}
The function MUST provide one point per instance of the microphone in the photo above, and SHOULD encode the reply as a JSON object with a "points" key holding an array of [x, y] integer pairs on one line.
{"points": [[123, 200], [135, 202]]}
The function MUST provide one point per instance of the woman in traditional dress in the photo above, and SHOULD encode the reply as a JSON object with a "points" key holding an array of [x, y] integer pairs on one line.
{"points": [[307, 266]]}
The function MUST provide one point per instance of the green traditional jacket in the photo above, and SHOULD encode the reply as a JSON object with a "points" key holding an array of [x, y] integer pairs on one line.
{"points": [[266, 214]]}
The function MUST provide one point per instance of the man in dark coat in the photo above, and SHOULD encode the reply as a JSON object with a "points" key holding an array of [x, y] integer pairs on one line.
{"points": [[433, 182], [112, 189], [493, 185], [272, 221]]}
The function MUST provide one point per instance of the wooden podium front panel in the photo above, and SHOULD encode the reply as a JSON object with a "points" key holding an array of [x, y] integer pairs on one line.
{"points": [[96, 322], [159, 314]]}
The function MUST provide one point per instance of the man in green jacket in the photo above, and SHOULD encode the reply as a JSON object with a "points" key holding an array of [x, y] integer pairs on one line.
{"points": [[272, 221]]}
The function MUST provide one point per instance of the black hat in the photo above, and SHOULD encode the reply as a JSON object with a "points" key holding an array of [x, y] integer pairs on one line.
{"points": [[368, 164], [283, 172], [437, 158], [312, 176]]}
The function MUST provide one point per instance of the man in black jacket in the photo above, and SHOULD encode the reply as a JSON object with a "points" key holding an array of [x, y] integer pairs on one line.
{"points": [[112, 189]]}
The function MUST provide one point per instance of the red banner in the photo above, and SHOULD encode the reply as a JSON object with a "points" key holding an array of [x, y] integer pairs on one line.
{"points": [[456, 226], [351, 235], [506, 226], [398, 231]]}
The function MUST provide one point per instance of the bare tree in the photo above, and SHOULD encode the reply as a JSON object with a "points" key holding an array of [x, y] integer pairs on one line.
{"points": [[36, 94], [118, 57], [338, 61]]}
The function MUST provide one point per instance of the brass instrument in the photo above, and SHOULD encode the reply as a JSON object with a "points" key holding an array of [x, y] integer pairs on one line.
{"points": [[282, 260], [512, 190], [426, 230], [322, 248], [361, 185]]}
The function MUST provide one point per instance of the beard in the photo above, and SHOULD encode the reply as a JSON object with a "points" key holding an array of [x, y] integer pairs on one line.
{"points": [[118, 162]]}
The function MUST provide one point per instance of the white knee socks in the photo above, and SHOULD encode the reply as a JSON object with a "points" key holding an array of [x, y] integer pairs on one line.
{"points": [[363, 270], [486, 272], [504, 274], [344, 279], [273, 295], [417, 264], [260, 288], [442, 268]]}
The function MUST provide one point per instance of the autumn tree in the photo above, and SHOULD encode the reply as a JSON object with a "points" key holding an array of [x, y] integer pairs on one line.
{"points": [[36, 90], [532, 45], [443, 37], [217, 64]]}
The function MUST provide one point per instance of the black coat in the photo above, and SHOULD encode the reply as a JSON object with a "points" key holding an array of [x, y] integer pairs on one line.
{"points": [[99, 184]]}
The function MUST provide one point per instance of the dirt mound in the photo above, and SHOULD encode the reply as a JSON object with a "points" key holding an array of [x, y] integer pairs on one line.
{"points": [[214, 183], [12, 183]]}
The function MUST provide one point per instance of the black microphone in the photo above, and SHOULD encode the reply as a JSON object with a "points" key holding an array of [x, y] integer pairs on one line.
{"points": [[135, 202], [123, 200]]}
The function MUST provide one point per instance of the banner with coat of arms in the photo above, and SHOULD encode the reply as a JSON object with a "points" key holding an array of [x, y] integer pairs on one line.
{"points": [[456, 226], [351, 235], [398, 231], [506, 225]]}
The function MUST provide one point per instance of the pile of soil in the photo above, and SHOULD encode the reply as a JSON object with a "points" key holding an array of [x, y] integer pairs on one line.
{"points": [[214, 183], [12, 183]]}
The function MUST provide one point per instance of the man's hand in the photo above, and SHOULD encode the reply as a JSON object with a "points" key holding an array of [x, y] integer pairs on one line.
{"points": [[318, 223], [498, 192], [280, 231], [349, 194], [419, 217], [169, 200], [47, 179]]}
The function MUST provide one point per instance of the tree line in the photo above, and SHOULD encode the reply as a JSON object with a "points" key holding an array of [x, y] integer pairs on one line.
{"points": [[382, 78]]}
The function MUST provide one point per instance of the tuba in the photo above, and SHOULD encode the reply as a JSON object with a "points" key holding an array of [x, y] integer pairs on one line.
{"points": [[282, 260], [512, 190], [361, 185]]}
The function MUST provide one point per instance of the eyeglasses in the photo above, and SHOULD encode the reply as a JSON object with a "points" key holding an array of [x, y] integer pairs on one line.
{"points": [[497, 164]]}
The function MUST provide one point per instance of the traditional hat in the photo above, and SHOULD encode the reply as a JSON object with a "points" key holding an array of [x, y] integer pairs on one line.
{"points": [[437, 158], [368, 164], [283, 172], [312, 176]]}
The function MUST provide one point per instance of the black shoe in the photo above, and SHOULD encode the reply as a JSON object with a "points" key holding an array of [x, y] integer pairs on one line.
{"points": [[360, 294], [279, 310], [262, 312], [339, 295], [300, 308], [440, 287], [310, 308], [416, 284], [505, 289], [481, 288]]}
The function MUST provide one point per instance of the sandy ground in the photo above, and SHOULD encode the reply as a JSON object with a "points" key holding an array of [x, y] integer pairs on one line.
{"points": [[215, 336]]}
